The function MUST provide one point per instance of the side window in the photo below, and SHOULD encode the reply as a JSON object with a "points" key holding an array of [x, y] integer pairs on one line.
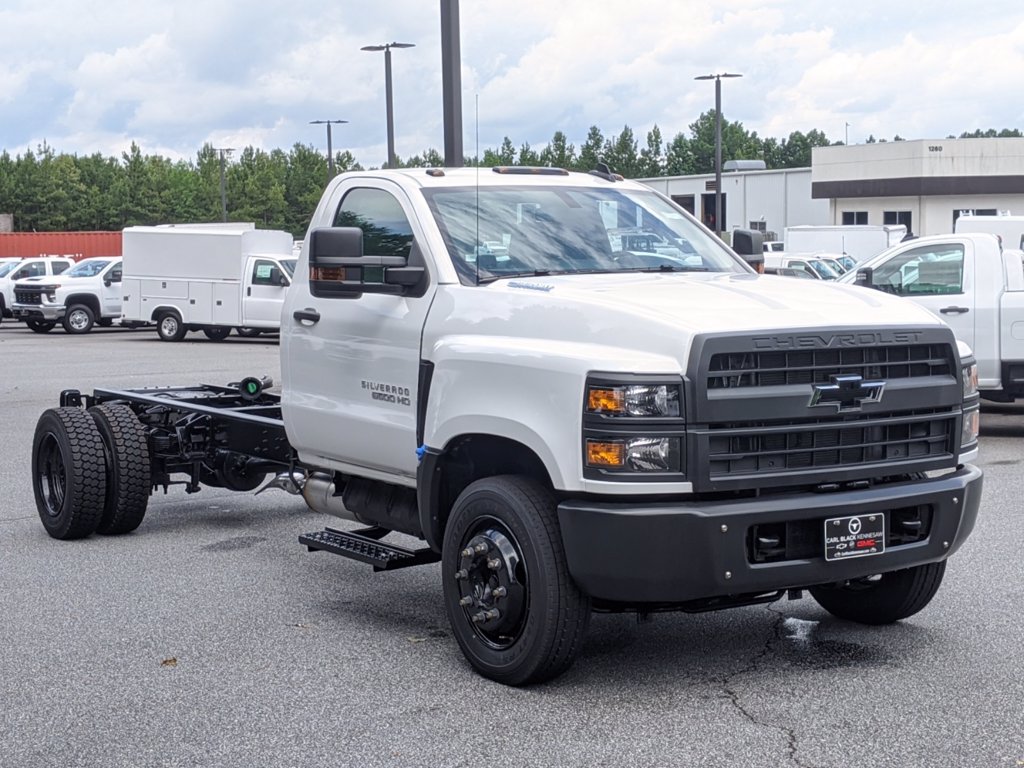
{"points": [[114, 275], [386, 230], [266, 273], [60, 266], [35, 269], [924, 271]]}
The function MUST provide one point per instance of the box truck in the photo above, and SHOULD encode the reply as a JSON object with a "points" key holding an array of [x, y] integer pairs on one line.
{"points": [[860, 242], [205, 277]]}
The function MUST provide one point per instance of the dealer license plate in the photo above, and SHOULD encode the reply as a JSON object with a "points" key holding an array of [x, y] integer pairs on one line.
{"points": [[856, 536]]}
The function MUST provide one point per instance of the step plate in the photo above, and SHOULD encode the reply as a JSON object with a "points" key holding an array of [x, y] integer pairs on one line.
{"points": [[355, 545]]}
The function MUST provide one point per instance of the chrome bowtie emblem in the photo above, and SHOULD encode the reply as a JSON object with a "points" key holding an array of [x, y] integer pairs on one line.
{"points": [[847, 392]]}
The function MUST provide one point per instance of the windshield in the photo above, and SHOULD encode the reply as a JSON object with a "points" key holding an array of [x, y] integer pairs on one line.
{"points": [[87, 268], [823, 269], [6, 269], [289, 266], [496, 232]]}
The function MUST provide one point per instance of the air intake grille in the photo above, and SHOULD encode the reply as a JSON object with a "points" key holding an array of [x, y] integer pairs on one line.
{"points": [[788, 448], [28, 297], [778, 368]]}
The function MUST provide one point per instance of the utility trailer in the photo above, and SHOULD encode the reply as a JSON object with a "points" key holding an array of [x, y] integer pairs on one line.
{"points": [[219, 436]]}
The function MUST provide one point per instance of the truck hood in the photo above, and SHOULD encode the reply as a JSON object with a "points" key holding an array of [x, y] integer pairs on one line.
{"points": [[658, 315]]}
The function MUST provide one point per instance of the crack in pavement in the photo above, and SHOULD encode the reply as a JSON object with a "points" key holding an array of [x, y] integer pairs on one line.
{"points": [[734, 695]]}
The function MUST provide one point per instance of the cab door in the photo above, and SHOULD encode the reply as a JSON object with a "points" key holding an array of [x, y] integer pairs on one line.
{"points": [[110, 291], [940, 277], [264, 293], [351, 376]]}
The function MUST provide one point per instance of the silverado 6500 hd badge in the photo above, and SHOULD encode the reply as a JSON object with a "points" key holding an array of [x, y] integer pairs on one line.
{"points": [[388, 393]]}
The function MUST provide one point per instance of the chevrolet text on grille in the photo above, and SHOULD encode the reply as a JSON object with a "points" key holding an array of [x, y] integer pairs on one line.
{"points": [[815, 341]]}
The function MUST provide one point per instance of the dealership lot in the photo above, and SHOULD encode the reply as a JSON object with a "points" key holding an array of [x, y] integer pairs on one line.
{"points": [[211, 637]]}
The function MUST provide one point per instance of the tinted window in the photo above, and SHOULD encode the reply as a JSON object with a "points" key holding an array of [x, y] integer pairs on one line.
{"points": [[386, 230], [266, 273], [60, 266]]}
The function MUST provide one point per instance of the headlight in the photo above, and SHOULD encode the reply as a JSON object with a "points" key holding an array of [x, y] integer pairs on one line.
{"points": [[970, 373], [972, 427], [650, 400], [635, 454]]}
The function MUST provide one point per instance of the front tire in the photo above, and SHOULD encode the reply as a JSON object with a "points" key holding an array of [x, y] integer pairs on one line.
{"points": [[170, 328], [513, 607], [126, 447], [41, 326], [68, 473], [882, 599], [78, 319]]}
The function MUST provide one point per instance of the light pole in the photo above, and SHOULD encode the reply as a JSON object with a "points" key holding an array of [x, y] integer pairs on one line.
{"points": [[386, 47], [224, 151], [718, 144], [330, 150]]}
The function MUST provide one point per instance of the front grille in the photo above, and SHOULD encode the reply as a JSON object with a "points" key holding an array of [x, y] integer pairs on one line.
{"points": [[817, 366], [794, 447], [28, 297]]}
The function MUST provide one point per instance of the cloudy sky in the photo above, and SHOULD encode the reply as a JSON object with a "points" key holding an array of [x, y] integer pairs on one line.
{"points": [[88, 76]]}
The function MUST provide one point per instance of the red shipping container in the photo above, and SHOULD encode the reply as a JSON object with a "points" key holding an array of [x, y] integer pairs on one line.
{"points": [[77, 245]]}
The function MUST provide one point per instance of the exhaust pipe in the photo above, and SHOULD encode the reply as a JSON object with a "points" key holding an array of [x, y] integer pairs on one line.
{"points": [[292, 482]]}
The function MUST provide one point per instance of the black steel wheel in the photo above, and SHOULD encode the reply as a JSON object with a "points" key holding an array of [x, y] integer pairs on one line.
{"points": [[126, 448], [169, 327], [68, 473], [41, 326], [514, 609], [884, 598], [217, 332], [79, 319]]}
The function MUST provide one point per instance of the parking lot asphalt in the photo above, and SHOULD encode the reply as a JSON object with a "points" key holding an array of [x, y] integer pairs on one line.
{"points": [[210, 637]]}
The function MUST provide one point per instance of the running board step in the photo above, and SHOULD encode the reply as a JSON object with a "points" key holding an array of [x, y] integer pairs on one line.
{"points": [[363, 545]]}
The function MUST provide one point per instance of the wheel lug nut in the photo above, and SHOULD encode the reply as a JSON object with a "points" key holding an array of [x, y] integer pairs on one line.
{"points": [[494, 563], [480, 548], [498, 592], [461, 574], [479, 617], [467, 600], [467, 552], [494, 613]]}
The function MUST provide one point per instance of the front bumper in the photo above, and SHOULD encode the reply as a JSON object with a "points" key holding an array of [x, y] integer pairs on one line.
{"points": [[677, 552], [53, 312]]}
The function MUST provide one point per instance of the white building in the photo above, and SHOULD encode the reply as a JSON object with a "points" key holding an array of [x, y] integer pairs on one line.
{"points": [[768, 201], [924, 185]]}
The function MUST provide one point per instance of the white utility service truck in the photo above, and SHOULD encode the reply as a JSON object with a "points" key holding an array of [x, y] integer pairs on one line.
{"points": [[208, 277], [1009, 229], [973, 284], [858, 241], [568, 425]]}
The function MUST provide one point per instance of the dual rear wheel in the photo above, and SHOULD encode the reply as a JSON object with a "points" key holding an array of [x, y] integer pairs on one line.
{"points": [[90, 471]]}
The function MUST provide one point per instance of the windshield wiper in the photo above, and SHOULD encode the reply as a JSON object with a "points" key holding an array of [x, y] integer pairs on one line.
{"points": [[667, 268], [482, 279]]}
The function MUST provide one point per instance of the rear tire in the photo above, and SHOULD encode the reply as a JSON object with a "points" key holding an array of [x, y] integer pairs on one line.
{"points": [[248, 333], [41, 326], [514, 609], [217, 332], [79, 319], [888, 598], [128, 468], [68, 473], [169, 327]]}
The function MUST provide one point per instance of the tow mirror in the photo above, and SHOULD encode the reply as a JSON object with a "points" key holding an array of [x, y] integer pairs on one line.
{"points": [[865, 277], [338, 267]]}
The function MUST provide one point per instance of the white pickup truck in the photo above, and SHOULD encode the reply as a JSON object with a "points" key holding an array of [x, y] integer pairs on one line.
{"points": [[567, 425], [85, 295], [41, 266], [975, 286]]}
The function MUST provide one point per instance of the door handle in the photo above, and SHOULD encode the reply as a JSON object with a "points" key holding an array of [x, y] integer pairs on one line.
{"points": [[954, 310], [248, 291], [306, 315]]}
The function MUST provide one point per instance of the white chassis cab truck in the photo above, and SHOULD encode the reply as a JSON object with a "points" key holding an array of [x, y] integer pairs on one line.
{"points": [[568, 427], [208, 277]]}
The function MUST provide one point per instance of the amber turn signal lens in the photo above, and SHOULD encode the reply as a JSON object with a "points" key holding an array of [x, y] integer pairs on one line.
{"points": [[605, 400], [605, 454]]}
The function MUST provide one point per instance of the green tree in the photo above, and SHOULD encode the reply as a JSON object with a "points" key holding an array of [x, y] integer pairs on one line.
{"points": [[621, 154], [652, 157], [590, 152], [559, 153], [679, 160]]}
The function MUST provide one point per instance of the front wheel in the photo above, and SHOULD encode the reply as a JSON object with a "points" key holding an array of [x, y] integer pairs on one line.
{"points": [[41, 326], [514, 609], [884, 598], [79, 319], [170, 328], [68, 473]]}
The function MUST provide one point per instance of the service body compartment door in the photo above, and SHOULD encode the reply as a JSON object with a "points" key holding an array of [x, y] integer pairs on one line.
{"points": [[227, 304], [200, 302]]}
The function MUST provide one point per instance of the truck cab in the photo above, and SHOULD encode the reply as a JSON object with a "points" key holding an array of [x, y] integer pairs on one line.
{"points": [[81, 297]]}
